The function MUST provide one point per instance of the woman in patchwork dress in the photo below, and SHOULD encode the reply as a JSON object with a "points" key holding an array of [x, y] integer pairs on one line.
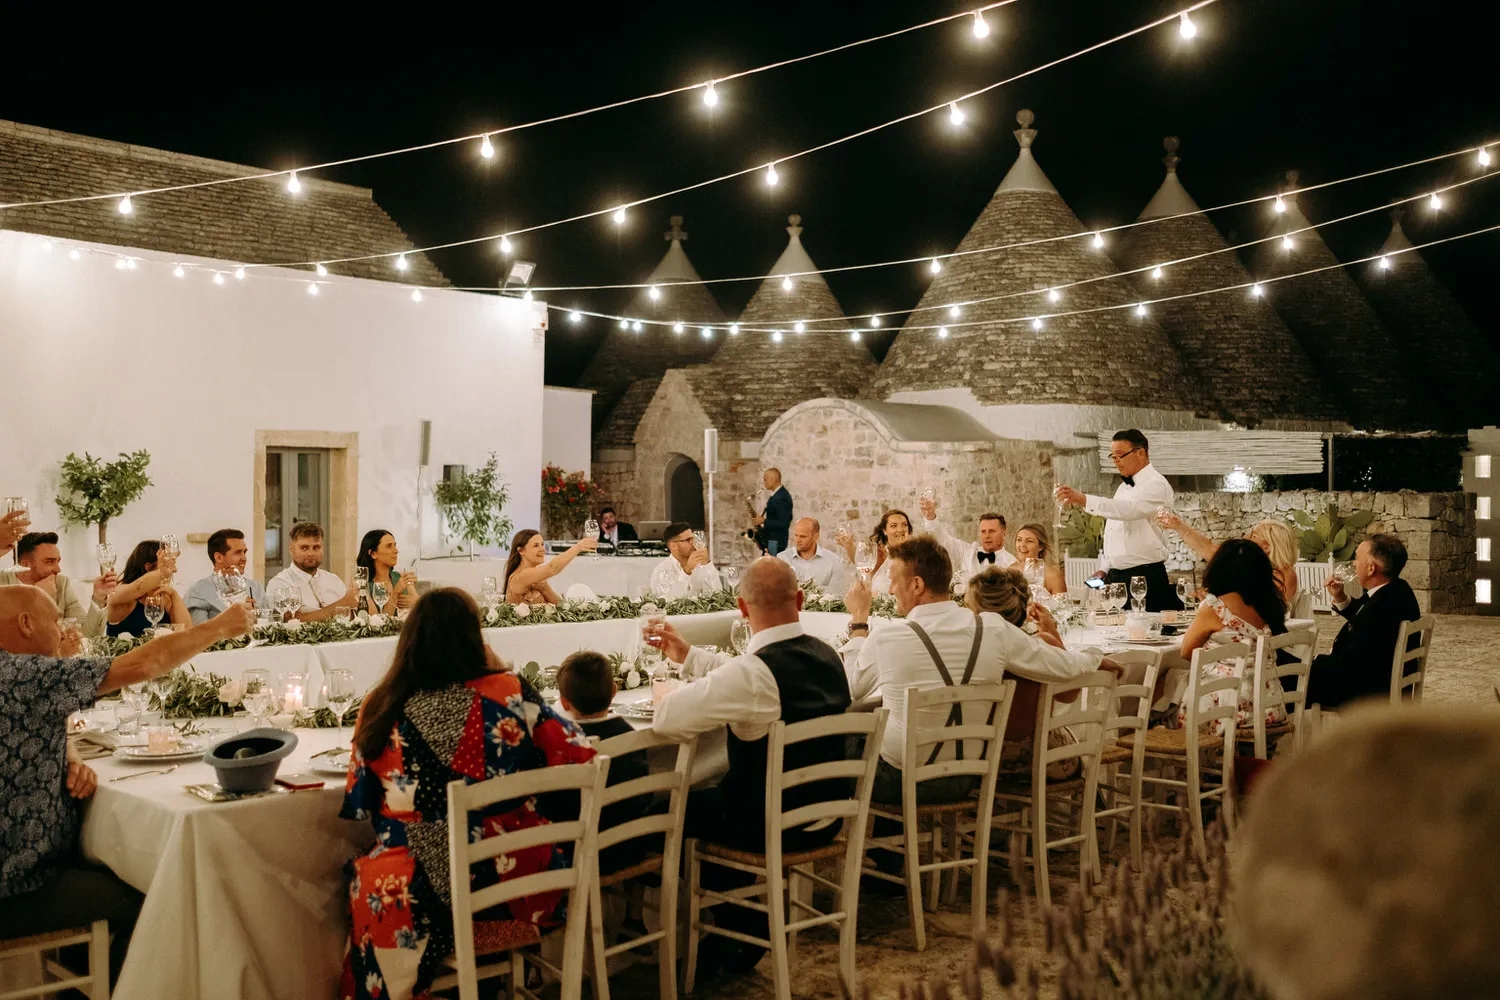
{"points": [[447, 709]]}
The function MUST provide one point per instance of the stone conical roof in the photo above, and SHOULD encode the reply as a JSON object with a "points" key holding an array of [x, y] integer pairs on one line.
{"points": [[1248, 360], [624, 356], [1108, 358], [1357, 355], [1440, 338]]}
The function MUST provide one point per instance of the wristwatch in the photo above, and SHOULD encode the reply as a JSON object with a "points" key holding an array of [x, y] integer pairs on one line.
{"points": [[860, 627]]}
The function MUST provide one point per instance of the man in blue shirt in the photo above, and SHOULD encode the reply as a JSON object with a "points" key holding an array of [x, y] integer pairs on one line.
{"points": [[227, 549]]}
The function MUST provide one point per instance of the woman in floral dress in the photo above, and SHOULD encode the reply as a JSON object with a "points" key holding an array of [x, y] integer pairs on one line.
{"points": [[1243, 604], [447, 709]]}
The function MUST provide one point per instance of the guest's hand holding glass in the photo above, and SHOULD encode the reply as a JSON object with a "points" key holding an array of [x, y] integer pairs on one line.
{"points": [[591, 530], [928, 503], [1167, 518], [1067, 496]]}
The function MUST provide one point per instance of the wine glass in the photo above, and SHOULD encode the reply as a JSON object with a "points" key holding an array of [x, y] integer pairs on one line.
{"points": [[1115, 597], [258, 697], [151, 604], [1138, 590], [1034, 571], [338, 695], [591, 530], [731, 577], [929, 495], [380, 592], [739, 636], [699, 542], [1344, 572], [287, 603], [864, 560], [1164, 515], [170, 546], [159, 687], [489, 591], [1183, 593], [12, 506], [106, 554], [231, 587], [362, 579]]}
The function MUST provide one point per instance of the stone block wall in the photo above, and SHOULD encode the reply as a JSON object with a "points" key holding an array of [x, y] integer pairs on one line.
{"points": [[614, 471], [1438, 529]]}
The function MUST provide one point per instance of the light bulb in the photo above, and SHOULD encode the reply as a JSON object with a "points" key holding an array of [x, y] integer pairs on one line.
{"points": [[312, 288], [322, 271], [874, 322], [1435, 201], [178, 272], [416, 295], [620, 216], [942, 333], [1036, 324], [505, 246], [130, 263], [486, 148], [401, 263], [653, 293], [1256, 291], [624, 323], [1484, 157], [981, 26], [47, 245], [786, 284], [74, 254], [1287, 243], [635, 326], [125, 206], [1098, 241], [527, 297], [955, 113], [775, 336], [1279, 205], [800, 327], [119, 263], [677, 327], [1385, 263], [772, 177], [936, 266], [1140, 309], [854, 335], [292, 183], [218, 277], [1185, 26], [707, 333], [239, 274], [1053, 295], [575, 316], [734, 329], [955, 312], [710, 95], [1156, 272]]}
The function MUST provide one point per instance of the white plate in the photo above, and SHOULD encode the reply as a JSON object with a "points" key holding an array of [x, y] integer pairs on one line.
{"points": [[185, 751], [1166, 640], [643, 710], [334, 764]]}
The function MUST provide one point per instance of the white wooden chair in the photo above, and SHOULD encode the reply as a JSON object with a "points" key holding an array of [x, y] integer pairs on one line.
{"points": [[1409, 666], [775, 867], [675, 784], [54, 977], [1194, 749], [986, 709], [1030, 817], [1122, 759], [582, 834], [1300, 643]]}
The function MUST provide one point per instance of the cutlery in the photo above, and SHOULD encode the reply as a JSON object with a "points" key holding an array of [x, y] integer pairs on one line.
{"points": [[325, 753], [137, 774]]}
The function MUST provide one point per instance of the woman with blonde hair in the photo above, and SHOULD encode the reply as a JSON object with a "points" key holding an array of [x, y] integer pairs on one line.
{"points": [[1032, 543], [1275, 540]]}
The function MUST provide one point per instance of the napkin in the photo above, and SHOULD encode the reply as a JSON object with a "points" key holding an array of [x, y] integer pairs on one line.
{"points": [[91, 746]]}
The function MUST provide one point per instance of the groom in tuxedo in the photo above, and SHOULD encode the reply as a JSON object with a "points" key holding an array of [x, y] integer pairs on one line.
{"points": [[775, 523], [1360, 664]]}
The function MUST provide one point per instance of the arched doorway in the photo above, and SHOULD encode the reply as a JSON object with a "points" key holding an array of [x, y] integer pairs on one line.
{"points": [[684, 491]]}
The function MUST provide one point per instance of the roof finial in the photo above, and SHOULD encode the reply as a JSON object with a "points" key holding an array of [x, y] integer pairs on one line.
{"points": [[1171, 144], [1397, 214], [677, 233], [1025, 134], [795, 229]]}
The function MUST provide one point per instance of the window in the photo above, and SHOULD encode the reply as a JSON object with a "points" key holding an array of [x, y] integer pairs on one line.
{"points": [[1483, 549], [1481, 466], [1482, 591], [1482, 511]]}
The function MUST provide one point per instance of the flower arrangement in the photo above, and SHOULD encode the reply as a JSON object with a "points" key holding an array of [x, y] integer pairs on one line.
{"points": [[567, 500]]}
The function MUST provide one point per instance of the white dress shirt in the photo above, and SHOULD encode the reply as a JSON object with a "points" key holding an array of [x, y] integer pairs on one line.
{"points": [[893, 659], [824, 568], [668, 580], [965, 555], [317, 590], [1131, 535], [735, 691]]}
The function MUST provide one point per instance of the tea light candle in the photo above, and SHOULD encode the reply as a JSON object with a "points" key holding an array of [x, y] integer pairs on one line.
{"points": [[1137, 626]]}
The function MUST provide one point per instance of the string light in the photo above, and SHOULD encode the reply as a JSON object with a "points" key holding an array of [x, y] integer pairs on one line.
{"points": [[322, 271], [416, 295], [707, 333], [955, 311], [799, 327], [620, 216], [1256, 291], [1053, 295], [239, 274], [119, 263], [178, 272], [981, 26], [312, 288], [292, 183], [1385, 262], [47, 245], [218, 277], [1484, 157], [401, 263], [677, 327], [624, 323], [130, 263], [636, 326], [126, 206], [1435, 201], [505, 244], [1140, 309], [1156, 273], [942, 333], [955, 114], [772, 177], [1036, 323], [654, 293], [1185, 26], [786, 284], [874, 322], [1287, 243], [936, 267], [527, 296], [486, 148], [734, 329], [775, 336], [710, 95], [74, 254], [1098, 241], [854, 335]]}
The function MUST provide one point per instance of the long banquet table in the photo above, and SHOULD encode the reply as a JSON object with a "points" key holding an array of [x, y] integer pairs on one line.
{"points": [[606, 576]]}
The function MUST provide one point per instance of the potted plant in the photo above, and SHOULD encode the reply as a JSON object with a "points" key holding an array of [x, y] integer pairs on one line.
{"points": [[474, 506], [93, 491]]}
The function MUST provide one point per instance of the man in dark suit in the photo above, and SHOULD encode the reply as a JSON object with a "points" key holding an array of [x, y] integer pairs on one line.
{"points": [[1360, 664], [613, 530], [774, 523]]}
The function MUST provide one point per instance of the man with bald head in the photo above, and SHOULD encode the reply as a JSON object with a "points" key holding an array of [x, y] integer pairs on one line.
{"points": [[44, 885], [810, 561], [784, 675]]}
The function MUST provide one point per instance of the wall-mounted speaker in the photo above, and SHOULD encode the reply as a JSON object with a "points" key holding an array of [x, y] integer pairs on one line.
{"points": [[426, 443], [710, 450]]}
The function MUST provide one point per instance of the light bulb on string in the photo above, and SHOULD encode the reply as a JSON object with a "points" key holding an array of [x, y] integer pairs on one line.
{"points": [[954, 311], [734, 329], [677, 327], [1098, 241], [854, 335], [942, 333], [312, 288], [1385, 262], [486, 148], [624, 323], [772, 177], [401, 262], [799, 327], [620, 216], [1140, 309], [178, 272], [1053, 295], [1287, 243], [1484, 157], [1435, 201], [1256, 291], [936, 266], [981, 26], [527, 296], [126, 206], [505, 244], [775, 336], [322, 271], [710, 95], [218, 277], [955, 114], [707, 333], [635, 326], [130, 263], [293, 184], [786, 284], [1156, 273], [653, 293], [239, 274], [1036, 323], [74, 254], [1279, 205], [1185, 26], [119, 263], [416, 295]]}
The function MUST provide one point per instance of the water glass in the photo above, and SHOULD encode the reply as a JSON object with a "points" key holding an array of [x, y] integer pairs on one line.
{"points": [[1138, 591], [258, 696], [338, 694], [127, 717], [739, 636]]}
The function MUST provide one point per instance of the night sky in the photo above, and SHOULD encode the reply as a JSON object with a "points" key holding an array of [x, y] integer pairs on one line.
{"points": [[1332, 88]]}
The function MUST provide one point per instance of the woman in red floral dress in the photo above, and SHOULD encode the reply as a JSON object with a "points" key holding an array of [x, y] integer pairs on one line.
{"points": [[447, 709]]}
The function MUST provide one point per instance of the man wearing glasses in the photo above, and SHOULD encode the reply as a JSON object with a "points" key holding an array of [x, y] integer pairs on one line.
{"points": [[687, 572], [1133, 543]]}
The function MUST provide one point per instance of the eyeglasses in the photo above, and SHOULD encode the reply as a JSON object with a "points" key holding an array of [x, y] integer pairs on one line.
{"points": [[1123, 455]]}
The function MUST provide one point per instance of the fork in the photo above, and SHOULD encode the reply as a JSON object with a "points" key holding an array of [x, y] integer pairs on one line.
{"points": [[136, 774]]}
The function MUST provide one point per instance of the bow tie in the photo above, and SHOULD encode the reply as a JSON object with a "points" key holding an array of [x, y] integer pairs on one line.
{"points": [[1129, 480], [988, 557]]}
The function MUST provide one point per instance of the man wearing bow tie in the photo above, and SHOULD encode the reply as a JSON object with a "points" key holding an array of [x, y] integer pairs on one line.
{"points": [[971, 558], [1134, 544]]}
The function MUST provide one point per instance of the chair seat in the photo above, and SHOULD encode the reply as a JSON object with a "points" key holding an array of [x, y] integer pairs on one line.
{"points": [[1119, 753], [833, 850], [1163, 741], [39, 942], [1021, 787], [930, 809], [645, 867], [1246, 734]]}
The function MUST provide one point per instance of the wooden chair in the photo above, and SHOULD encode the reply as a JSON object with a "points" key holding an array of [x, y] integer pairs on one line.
{"points": [[1407, 686], [1193, 749], [664, 866], [1259, 733], [1031, 820], [927, 730], [775, 866], [55, 977], [1121, 760], [581, 834]]}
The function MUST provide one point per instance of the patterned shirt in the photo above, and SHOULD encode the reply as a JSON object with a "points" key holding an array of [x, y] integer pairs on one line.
{"points": [[39, 821]]}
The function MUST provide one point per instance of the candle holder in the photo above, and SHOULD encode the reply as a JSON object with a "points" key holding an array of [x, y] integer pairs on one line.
{"points": [[293, 692]]}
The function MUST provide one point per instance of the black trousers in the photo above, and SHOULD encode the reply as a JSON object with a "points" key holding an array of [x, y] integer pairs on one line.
{"points": [[71, 897], [1160, 594]]}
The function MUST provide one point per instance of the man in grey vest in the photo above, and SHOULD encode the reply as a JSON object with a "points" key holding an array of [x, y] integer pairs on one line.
{"points": [[784, 675]]}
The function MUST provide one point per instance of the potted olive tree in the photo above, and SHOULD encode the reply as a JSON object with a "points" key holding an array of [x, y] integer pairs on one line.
{"points": [[92, 491], [473, 506]]}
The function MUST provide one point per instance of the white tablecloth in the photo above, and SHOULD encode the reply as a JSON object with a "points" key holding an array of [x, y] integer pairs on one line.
{"points": [[607, 576]]}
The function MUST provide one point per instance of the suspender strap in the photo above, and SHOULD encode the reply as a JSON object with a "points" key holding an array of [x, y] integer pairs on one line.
{"points": [[956, 713]]}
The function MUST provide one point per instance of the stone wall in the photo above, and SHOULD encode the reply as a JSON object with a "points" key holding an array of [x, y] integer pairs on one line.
{"points": [[1438, 529], [845, 468], [614, 471]]}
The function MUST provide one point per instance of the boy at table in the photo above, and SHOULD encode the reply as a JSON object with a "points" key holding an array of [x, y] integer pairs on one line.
{"points": [[44, 885]]}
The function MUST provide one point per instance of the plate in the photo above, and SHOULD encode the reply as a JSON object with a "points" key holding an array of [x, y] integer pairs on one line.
{"points": [[331, 765], [637, 710], [1165, 640], [185, 751]]}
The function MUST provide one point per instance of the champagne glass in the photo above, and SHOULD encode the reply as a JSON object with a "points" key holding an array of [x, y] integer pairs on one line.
{"points": [[731, 577], [1183, 593], [1138, 590], [338, 695], [380, 592], [1034, 571], [171, 546], [152, 605], [739, 636], [699, 542], [12, 506], [106, 554], [258, 697], [489, 591], [864, 560], [591, 530], [362, 579]]}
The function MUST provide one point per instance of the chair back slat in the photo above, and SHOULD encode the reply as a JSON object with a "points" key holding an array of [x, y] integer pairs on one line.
{"points": [[559, 880], [1086, 722], [524, 784], [817, 811], [675, 783], [870, 725], [1409, 666], [930, 710], [520, 840], [1199, 688], [826, 771], [1139, 695], [1299, 642]]}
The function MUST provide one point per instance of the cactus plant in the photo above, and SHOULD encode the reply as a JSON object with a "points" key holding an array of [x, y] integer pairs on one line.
{"points": [[1328, 536]]}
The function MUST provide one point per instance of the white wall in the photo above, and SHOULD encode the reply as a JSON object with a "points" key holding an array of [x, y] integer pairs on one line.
{"points": [[567, 427], [103, 360]]}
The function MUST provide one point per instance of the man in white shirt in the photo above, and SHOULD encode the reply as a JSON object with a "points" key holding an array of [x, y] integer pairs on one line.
{"points": [[939, 643], [810, 561], [323, 594], [971, 558], [1134, 544], [687, 571], [785, 675]]}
